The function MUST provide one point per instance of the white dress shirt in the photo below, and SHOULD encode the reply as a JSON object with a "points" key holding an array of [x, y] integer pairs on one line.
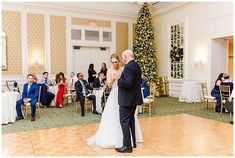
{"points": [[83, 88]]}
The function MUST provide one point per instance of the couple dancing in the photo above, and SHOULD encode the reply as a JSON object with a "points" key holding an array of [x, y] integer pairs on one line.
{"points": [[119, 127]]}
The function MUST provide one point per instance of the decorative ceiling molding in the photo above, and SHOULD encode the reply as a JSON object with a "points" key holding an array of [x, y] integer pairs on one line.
{"points": [[169, 8], [69, 10], [86, 12]]}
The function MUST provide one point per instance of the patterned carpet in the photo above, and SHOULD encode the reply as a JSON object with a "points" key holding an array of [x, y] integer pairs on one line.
{"points": [[56, 117]]}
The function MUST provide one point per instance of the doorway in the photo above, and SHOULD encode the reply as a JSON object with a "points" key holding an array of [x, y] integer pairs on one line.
{"points": [[221, 58], [84, 56]]}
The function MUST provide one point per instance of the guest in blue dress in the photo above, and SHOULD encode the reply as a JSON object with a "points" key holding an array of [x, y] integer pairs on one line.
{"points": [[145, 87], [216, 93]]}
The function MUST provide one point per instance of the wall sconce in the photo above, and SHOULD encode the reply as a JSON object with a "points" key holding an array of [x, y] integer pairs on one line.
{"points": [[93, 24], [200, 57], [36, 59]]}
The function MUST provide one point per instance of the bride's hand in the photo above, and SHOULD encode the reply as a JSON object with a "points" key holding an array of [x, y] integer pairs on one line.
{"points": [[115, 76]]}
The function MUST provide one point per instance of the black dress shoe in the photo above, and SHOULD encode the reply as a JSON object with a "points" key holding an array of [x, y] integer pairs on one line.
{"points": [[124, 149], [134, 145], [19, 118], [82, 114], [33, 118], [95, 112], [231, 122]]}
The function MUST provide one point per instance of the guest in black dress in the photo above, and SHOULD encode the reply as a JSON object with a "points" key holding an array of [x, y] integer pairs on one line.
{"points": [[216, 93], [91, 74], [104, 70]]}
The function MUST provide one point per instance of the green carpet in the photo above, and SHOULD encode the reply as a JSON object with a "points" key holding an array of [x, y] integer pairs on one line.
{"points": [[56, 117]]}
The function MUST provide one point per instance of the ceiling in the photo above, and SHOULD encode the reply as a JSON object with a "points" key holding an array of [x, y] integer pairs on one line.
{"points": [[119, 8]]}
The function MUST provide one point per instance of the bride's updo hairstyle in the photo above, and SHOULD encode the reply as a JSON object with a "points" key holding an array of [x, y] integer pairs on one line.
{"points": [[114, 56]]}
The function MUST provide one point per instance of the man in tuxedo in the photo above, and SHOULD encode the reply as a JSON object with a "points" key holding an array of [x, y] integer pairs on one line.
{"points": [[46, 97], [129, 96], [99, 81], [81, 88], [30, 91]]}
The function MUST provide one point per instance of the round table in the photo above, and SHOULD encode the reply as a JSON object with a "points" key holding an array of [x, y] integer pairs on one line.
{"points": [[98, 93], [191, 92], [9, 100]]}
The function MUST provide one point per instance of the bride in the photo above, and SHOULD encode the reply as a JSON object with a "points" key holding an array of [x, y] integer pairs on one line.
{"points": [[109, 133]]}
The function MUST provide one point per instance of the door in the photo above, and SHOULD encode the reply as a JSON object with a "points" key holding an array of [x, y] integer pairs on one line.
{"points": [[84, 56], [219, 59]]}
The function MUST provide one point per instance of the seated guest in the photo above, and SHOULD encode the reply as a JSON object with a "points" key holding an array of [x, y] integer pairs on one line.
{"points": [[30, 91], [81, 88], [227, 82], [62, 89], [99, 81], [46, 97], [145, 87], [216, 92], [72, 79]]}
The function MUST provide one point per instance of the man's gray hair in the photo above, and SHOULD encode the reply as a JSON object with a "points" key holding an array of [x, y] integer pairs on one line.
{"points": [[128, 53]]}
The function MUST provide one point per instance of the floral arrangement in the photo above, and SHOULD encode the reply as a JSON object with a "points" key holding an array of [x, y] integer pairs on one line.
{"points": [[177, 53]]}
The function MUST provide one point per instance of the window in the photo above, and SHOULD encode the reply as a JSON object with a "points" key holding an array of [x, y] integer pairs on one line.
{"points": [[107, 36], [76, 34], [91, 35]]}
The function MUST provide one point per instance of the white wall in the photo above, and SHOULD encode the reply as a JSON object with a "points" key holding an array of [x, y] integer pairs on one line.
{"points": [[47, 11], [204, 21]]}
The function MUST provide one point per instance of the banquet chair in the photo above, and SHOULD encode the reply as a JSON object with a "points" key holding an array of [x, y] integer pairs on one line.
{"points": [[87, 102], [148, 103], [224, 95], [207, 98], [27, 106], [12, 85], [107, 91], [66, 98]]}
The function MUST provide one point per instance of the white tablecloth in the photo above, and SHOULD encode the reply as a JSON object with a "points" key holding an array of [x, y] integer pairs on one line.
{"points": [[191, 92], [9, 106], [98, 93], [53, 89]]}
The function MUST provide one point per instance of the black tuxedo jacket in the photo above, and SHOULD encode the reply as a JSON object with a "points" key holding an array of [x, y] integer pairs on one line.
{"points": [[129, 85], [96, 83], [79, 88]]}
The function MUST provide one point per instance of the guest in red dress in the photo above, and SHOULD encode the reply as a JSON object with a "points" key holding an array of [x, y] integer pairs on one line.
{"points": [[62, 84]]}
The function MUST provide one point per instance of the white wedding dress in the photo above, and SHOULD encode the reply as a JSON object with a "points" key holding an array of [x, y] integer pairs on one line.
{"points": [[109, 133]]}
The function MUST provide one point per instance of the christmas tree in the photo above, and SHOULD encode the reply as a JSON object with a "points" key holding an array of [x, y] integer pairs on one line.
{"points": [[144, 48]]}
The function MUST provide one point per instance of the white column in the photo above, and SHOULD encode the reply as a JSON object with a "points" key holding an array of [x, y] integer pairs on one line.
{"points": [[69, 53], [130, 32], [24, 42], [47, 44], [113, 27]]}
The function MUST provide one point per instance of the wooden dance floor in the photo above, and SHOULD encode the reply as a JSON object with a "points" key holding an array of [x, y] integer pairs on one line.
{"points": [[182, 135]]}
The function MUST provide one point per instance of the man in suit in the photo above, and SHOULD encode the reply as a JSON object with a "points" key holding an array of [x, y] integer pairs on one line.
{"points": [[46, 97], [129, 96], [99, 81], [81, 88], [30, 91]]}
